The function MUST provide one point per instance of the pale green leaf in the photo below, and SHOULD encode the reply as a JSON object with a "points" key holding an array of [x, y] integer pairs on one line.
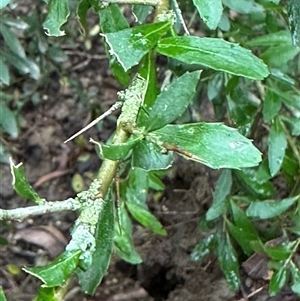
{"points": [[4, 75], [3, 3], [270, 208], [212, 144], [8, 121], [277, 144], [57, 16], [244, 6], [214, 53], [210, 11]]}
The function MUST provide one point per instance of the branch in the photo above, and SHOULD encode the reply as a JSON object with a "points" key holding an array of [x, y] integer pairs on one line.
{"points": [[21, 213]]}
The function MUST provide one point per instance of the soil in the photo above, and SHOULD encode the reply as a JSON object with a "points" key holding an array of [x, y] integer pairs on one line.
{"points": [[57, 170]]}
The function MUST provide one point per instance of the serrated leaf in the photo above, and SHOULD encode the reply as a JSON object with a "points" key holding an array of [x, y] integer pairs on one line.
{"points": [[91, 278], [270, 208], [21, 185], [130, 45], [244, 6], [248, 178], [172, 102], [3, 3], [47, 294], [115, 151], [212, 144], [278, 281], [57, 16], [228, 260], [56, 273], [210, 11], [148, 156], [294, 20], [8, 121], [203, 248], [222, 190], [4, 74], [146, 218], [277, 144], [271, 105], [214, 53]]}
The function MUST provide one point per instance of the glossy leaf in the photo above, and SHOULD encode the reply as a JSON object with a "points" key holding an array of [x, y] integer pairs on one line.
{"points": [[56, 273], [203, 248], [210, 11], [250, 181], [244, 6], [271, 105], [8, 121], [278, 281], [47, 294], [146, 218], [228, 260], [3, 3], [115, 151], [277, 145], [4, 75], [294, 20], [270, 208], [123, 237], [214, 53], [212, 144], [172, 102], [222, 190], [91, 278], [282, 252], [57, 16], [148, 156], [21, 185], [130, 45], [296, 278]]}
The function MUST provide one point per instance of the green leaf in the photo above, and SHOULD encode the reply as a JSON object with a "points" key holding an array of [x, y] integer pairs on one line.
{"points": [[172, 102], [56, 273], [8, 121], [244, 6], [21, 185], [277, 144], [123, 237], [296, 278], [115, 151], [214, 53], [148, 156], [203, 248], [222, 190], [228, 260], [130, 45], [12, 41], [141, 12], [47, 294], [82, 9], [248, 178], [293, 124], [215, 86], [210, 11], [90, 279], [278, 281], [2, 296], [271, 105], [146, 218], [288, 98], [4, 74], [3, 3], [212, 144], [273, 39], [57, 16], [279, 253], [270, 208], [294, 20]]}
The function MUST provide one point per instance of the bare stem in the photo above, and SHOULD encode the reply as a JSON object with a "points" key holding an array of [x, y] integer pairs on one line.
{"points": [[22, 213]]}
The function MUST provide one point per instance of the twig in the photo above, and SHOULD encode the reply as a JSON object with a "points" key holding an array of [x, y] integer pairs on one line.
{"points": [[113, 108], [21, 213]]}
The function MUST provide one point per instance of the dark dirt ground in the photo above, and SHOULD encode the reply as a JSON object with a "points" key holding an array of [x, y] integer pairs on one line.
{"points": [[167, 273]]}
